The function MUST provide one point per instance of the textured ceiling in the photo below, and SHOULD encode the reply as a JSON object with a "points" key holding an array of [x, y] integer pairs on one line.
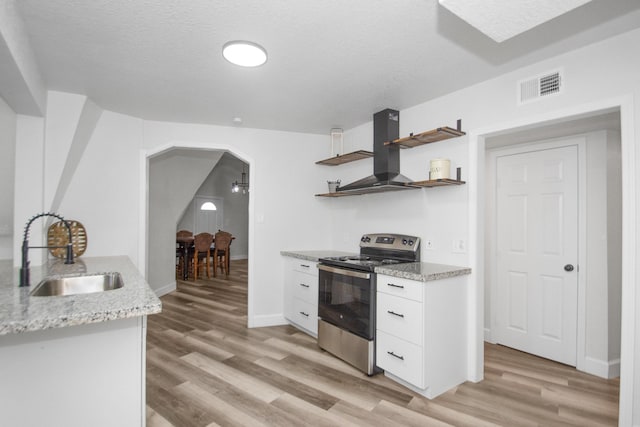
{"points": [[503, 19], [332, 63]]}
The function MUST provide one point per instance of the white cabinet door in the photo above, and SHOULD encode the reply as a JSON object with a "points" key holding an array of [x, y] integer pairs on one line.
{"points": [[400, 358], [305, 315], [301, 294], [305, 287], [400, 317]]}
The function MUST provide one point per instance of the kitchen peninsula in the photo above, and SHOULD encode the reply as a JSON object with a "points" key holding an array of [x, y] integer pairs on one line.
{"points": [[75, 359]]}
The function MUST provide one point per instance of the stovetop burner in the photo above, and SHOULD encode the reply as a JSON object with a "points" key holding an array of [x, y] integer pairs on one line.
{"points": [[379, 249]]}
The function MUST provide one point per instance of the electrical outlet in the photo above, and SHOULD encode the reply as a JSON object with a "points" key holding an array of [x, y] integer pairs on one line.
{"points": [[428, 244], [459, 246]]}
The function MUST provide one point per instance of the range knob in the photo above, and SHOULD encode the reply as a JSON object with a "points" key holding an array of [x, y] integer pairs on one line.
{"points": [[411, 242], [368, 239], [404, 242]]}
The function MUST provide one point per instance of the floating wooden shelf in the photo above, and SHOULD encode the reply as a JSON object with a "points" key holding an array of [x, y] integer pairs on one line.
{"points": [[346, 158], [336, 194], [427, 137], [436, 183]]}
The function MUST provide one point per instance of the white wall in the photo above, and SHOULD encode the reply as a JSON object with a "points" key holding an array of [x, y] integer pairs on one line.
{"points": [[235, 205], [104, 191], [7, 176]]}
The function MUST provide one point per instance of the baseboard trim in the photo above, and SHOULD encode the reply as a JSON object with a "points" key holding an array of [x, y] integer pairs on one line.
{"points": [[238, 257], [265, 320], [602, 368], [165, 289], [487, 336]]}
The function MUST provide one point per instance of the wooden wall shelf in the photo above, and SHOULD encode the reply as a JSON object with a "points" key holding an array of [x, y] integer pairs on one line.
{"points": [[345, 158], [435, 135], [436, 183], [336, 194]]}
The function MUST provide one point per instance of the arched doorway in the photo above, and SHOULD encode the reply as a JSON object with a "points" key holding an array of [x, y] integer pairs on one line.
{"points": [[147, 252]]}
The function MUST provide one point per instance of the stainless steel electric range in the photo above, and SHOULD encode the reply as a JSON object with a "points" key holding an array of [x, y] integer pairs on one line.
{"points": [[347, 297]]}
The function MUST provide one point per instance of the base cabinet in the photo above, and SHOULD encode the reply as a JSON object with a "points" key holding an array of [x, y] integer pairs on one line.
{"points": [[421, 335], [301, 294], [86, 375]]}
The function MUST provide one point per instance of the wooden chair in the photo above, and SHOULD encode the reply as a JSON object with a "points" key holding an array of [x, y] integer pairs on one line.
{"points": [[222, 252], [184, 233], [202, 247]]}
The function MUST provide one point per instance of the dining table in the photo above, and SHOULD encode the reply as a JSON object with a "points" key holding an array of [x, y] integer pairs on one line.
{"points": [[185, 242]]}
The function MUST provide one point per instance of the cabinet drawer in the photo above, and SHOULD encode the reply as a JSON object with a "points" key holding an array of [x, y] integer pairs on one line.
{"points": [[400, 317], [305, 315], [305, 287], [400, 358], [401, 287], [303, 266]]}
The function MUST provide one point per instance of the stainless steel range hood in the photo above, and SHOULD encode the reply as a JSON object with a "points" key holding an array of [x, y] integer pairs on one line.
{"points": [[386, 159]]}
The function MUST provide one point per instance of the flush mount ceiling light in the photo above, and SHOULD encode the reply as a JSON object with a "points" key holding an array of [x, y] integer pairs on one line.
{"points": [[244, 53], [503, 19]]}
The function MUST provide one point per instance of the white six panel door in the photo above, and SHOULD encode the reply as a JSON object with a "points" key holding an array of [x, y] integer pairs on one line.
{"points": [[537, 236]]}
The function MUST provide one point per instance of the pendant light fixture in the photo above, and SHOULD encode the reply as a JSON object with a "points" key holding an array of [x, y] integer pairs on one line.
{"points": [[242, 185]]}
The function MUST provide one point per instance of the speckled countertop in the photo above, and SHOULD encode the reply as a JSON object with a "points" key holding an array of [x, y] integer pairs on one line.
{"points": [[20, 312], [422, 271], [315, 255]]}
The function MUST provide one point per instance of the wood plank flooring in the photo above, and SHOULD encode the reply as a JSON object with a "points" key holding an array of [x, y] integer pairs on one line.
{"points": [[205, 368]]}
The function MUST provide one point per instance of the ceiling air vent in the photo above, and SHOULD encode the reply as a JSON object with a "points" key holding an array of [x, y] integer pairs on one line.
{"points": [[537, 87]]}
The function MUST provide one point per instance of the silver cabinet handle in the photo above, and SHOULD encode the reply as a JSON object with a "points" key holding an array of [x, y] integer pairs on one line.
{"points": [[304, 314], [303, 285], [391, 353], [342, 271], [305, 265], [395, 314], [395, 286]]}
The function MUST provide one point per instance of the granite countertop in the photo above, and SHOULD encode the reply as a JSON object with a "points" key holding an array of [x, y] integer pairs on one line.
{"points": [[422, 271], [20, 312], [315, 255]]}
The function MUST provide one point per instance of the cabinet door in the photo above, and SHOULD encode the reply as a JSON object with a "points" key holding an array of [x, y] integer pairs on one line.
{"points": [[397, 286], [305, 315], [400, 358], [303, 266], [400, 317], [305, 287]]}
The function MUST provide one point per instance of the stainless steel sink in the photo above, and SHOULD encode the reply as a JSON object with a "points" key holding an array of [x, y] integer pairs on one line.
{"points": [[78, 284]]}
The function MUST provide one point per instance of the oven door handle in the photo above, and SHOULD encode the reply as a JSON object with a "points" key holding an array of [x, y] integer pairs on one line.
{"points": [[344, 272]]}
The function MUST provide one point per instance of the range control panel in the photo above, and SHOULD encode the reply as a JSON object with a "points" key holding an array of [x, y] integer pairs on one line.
{"points": [[390, 241]]}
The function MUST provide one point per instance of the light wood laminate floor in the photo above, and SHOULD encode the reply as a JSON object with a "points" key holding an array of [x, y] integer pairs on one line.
{"points": [[205, 368]]}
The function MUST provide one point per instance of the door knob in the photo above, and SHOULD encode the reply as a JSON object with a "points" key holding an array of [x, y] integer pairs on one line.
{"points": [[568, 267]]}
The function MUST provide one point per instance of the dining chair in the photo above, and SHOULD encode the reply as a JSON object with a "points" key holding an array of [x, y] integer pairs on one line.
{"points": [[222, 252], [201, 253]]}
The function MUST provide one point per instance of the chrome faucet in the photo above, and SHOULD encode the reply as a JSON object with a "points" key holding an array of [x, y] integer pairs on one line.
{"points": [[24, 269]]}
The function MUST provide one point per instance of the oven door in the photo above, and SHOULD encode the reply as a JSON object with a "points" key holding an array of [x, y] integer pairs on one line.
{"points": [[346, 299]]}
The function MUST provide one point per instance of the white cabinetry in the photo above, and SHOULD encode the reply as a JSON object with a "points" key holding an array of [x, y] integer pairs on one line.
{"points": [[421, 338], [85, 375], [301, 294]]}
